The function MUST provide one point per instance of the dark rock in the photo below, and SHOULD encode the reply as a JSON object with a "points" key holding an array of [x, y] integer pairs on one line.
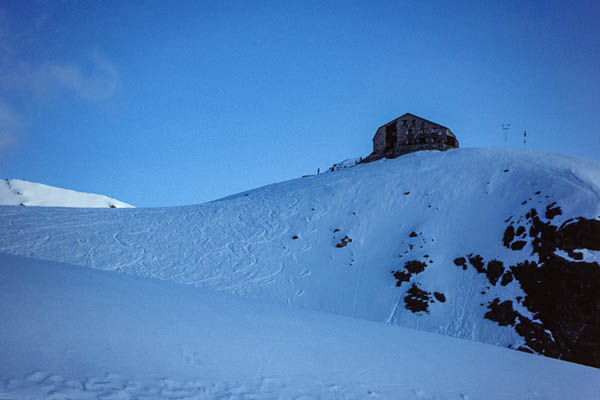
{"points": [[581, 234], [460, 261], [502, 313], [565, 296], [506, 278], [344, 242], [414, 266], [578, 234], [518, 245], [576, 255], [509, 236], [401, 277], [412, 234], [477, 263], [417, 300], [562, 294], [530, 213], [552, 211], [494, 271]]}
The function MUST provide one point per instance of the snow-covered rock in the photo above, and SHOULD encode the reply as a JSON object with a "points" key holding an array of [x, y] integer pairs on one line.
{"points": [[442, 242], [76, 333], [348, 163], [16, 192]]}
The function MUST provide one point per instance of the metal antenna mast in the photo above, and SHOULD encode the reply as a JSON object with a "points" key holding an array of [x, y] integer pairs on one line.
{"points": [[505, 128]]}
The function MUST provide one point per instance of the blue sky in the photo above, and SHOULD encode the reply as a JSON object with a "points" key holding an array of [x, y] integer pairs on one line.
{"points": [[163, 103]]}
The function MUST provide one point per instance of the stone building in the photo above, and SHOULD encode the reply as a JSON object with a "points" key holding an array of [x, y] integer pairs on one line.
{"points": [[410, 133]]}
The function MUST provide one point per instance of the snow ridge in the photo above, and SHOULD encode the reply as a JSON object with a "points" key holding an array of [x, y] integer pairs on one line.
{"points": [[335, 241], [16, 192]]}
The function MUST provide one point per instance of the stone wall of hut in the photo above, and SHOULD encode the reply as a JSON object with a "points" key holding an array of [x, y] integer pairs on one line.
{"points": [[408, 134]]}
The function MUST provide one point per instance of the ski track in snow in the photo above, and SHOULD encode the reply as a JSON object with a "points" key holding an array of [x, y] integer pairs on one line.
{"points": [[42, 384], [101, 335], [243, 244], [278, 243]]}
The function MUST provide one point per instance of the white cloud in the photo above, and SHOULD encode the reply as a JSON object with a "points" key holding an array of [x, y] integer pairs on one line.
{"points": [[96, 81], [27, 85], [22, 82]]}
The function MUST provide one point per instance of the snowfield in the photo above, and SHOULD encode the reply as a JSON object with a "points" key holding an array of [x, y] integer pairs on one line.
{"points": [[76, 333], [15, 192], [492, 245]]}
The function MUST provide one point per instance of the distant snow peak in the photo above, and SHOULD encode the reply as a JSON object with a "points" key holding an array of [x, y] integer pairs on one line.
{"points": [[16, 192]]}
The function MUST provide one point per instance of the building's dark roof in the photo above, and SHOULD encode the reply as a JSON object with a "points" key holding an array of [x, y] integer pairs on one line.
{"points": [[423, 119]]}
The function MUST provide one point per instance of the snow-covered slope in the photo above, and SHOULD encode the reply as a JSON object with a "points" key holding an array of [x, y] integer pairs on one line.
{"points": [[422, 241], [75, 333], [15, 192]]}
